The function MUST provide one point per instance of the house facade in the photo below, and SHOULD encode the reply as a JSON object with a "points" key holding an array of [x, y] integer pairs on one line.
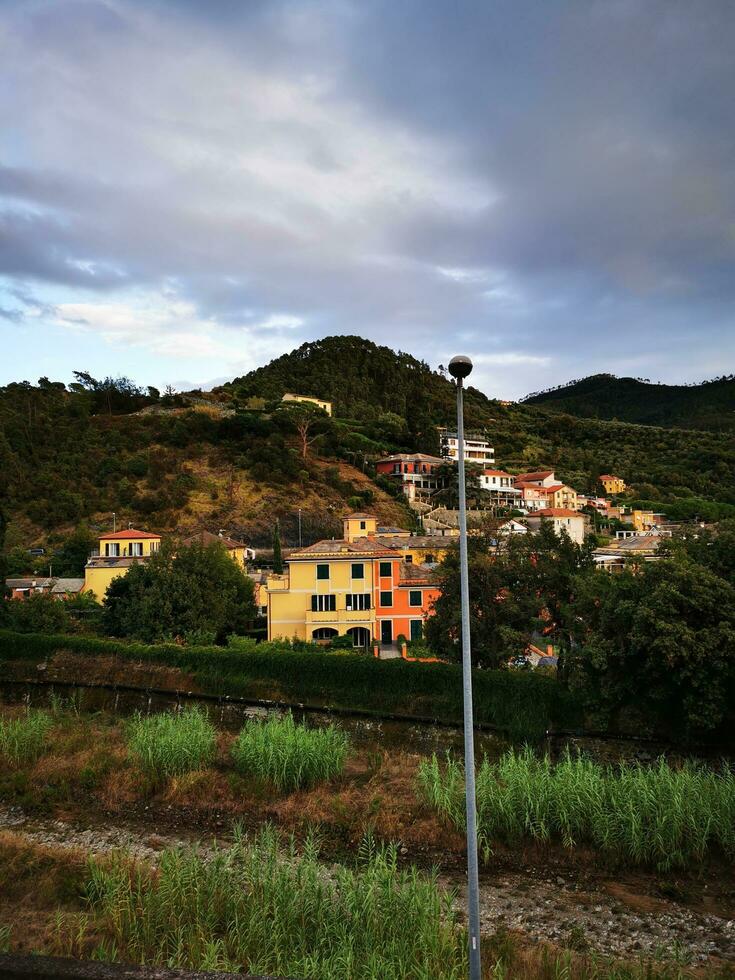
{"points": [[317, 402], [532, 496], [499, 485], [562, 519], [356, 586], [476, 447], [612, 484], [416, 473], [117, 553]]}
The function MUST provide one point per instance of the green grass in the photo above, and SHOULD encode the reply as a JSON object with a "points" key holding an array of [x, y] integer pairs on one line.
{"points": [[290, 756], [173, 744], [656, 815], [271, 911], [24, 739]]}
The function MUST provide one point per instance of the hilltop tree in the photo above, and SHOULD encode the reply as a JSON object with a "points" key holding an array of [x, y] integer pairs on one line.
{"points": [[308, 421]]}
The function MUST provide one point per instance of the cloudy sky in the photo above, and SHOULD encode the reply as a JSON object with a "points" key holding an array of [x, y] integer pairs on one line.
{"points": [[188, 189]]}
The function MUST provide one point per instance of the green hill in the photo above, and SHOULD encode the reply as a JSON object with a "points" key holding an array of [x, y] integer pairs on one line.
{"points": [[228, 458], [710, 405]]}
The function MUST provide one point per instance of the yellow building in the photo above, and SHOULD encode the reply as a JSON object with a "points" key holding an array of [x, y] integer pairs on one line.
{"points": [[562, 497], [118, 551], [645, 520], [238, 550], [612, 484], [319, 402], [413, 548], [357, 586]]}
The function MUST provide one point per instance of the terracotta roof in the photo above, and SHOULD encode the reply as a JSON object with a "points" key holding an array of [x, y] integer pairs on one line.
{"points": [[360, 516], [338, 548], [608, 476], [127, 535], [415, 541], [207, 537], [556, 512], [411, 458], [556, 486], [415, 575], [530, 486], [530, 477], [495, 473]]}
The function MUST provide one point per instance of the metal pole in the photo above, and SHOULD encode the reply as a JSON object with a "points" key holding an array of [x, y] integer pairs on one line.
{"points": [[460, 367], [114, 522], [299, 527]]}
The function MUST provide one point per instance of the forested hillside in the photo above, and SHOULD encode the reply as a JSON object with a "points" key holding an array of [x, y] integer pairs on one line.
{"points": [[233, 458], [710, 405]]}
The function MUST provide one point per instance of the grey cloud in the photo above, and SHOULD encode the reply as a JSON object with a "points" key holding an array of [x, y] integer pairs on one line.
{"points": [[327, 159]]}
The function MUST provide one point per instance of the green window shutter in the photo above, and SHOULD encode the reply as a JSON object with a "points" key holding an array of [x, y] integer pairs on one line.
{"points": [[358, 571], [322, 571], [385, 569], [417, 629], [386, 598], [414, 597]]}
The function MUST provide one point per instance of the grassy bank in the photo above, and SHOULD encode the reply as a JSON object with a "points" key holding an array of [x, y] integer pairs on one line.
{"points": [[656, 815], [523, 704]]}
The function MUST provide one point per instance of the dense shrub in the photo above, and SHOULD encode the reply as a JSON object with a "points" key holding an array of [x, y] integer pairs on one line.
{"points": [[23, 739], [645, 815], [290, 755], [522, 703], [173, 744]]}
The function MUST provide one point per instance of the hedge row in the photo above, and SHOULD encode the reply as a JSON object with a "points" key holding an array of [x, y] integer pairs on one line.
{"points": [[522, 703]]}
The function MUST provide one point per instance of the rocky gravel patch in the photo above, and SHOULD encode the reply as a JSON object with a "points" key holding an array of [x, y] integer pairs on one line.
{"points": [[596, 917]]}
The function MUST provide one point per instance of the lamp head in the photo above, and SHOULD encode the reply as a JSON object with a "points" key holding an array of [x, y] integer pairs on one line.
{"points": [[460, 367]]}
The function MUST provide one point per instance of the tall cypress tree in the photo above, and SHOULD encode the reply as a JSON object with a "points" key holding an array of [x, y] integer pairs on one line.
{"points": [[277, 554]]}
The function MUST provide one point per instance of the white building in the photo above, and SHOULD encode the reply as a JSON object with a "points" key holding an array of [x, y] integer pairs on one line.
{"points": [[476, 447], [499, 485], [562, 519]]}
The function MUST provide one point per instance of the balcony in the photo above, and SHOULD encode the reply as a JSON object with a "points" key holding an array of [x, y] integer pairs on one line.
{"points": [[350, 617], [277, 583]]}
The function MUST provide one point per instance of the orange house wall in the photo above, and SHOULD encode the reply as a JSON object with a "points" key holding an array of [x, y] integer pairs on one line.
{"points": [[400, 613]]}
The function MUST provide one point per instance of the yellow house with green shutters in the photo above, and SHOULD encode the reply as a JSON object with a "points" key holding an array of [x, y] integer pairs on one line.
{"points": [[356, 586], [118, 551]]}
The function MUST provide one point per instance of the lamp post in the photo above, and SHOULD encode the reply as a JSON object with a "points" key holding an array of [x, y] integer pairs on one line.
{"points": [[460, 367], [299, 527]]}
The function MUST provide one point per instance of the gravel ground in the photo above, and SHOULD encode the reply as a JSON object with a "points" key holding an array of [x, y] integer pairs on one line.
{"points": [[598, 917]]}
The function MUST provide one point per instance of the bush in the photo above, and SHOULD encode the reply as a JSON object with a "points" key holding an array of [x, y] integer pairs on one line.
{"points": [[289, 755], [23, 739], [523, 704], [39, 613], [171, 745], [659, 815]]}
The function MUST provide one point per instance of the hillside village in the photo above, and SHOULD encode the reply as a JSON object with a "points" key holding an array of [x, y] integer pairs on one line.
{"points": [[376, 585]]}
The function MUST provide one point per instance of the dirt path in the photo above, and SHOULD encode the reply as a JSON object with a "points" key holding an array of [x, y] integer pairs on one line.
{"points": [[604, 916]]}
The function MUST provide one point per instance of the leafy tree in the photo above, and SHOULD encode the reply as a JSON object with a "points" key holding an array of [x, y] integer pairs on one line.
{"points": [[178, 592], [39, 613], [308, 421], [519, 591], [69, 560], [448, 476], [656, 640]]}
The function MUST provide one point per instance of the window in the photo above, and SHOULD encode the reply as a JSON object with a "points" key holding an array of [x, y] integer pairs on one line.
{"points": [[386, 598], [323, 603], [112, 550], [362, 525], [430, 559], [385, 569], [409, 559], [414, 597], [358, 570], [322, 572], [136, 548], [155, 545], [417, 629], [358, 601]]}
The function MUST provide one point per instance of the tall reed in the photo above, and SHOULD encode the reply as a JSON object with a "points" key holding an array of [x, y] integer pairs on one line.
{"points": [[646, 815], [23, 739], [173, 744], [258, 908], [290, 755]]}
